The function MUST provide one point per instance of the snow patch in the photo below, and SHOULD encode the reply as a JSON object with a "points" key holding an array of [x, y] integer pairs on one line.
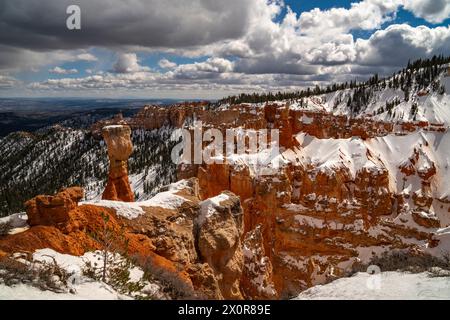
{"points": [[208, 207], [166, 200], [132, 210], [128, 210], [383, 286], [84, 288]]}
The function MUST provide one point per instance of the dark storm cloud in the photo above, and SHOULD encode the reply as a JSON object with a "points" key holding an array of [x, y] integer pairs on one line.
{"points": [[41, 25], [271, 65]]}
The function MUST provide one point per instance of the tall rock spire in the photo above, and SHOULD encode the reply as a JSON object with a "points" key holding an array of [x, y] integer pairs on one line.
{"points": [[119, 144]]}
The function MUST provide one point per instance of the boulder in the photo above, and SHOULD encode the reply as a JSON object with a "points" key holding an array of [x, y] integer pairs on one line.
{"points": [[52, 210]]}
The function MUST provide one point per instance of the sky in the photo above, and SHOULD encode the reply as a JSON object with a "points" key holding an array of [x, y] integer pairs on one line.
{"points": [[208, 49]]}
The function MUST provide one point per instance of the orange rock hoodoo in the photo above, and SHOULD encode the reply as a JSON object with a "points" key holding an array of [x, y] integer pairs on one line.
{"points": [[119, 144]]}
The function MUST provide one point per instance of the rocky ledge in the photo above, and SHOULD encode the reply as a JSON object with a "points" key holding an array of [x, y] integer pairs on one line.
{"points": [[196, 244]]}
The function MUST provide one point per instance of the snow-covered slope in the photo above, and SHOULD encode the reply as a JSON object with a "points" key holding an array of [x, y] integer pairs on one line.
{"points": [[383, 286], [387, 103], [80, 286], [89, 290]]}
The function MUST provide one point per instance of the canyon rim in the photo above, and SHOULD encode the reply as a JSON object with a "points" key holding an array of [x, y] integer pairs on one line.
{"points": [[238, 150]]}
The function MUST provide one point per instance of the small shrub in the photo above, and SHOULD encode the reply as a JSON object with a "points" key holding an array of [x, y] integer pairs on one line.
{"points": [[5, 227], [117, 274], [407, 262], [14, 272], [42, 275], [52, 277]]}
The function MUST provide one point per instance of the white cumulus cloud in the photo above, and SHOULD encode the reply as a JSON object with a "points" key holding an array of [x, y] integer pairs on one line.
{"points": [[128, 63], [434, 11], [86, 57], [59, 70], [398, 43], [166, 64]]}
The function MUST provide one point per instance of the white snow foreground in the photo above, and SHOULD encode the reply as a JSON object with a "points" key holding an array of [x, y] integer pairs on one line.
{"points": [[132, 210], [86, 291], [80, 287], [383, 286]]}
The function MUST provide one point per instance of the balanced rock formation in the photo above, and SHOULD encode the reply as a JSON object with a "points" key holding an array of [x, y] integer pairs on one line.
{"points": [[117, 138]]}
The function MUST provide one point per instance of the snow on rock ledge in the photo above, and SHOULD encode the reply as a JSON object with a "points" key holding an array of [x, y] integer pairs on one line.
{"points": [[208, 207], [129, 210], [132, 210]]}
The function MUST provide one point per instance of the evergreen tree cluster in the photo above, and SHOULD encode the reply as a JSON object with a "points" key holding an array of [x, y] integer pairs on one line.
{"points": [[152, 158], [421, 73], [46, 161]]}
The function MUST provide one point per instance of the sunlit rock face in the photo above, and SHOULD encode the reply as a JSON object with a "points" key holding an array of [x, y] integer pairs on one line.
{"points": [[117, 138], [335, 204], [50, 210]]}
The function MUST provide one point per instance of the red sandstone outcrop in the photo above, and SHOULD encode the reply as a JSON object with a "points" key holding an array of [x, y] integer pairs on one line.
{"points": [[60, 224], [320, 124], [53, 210], [119, 144], [219, 229], [208, 260], [305, 226]]}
